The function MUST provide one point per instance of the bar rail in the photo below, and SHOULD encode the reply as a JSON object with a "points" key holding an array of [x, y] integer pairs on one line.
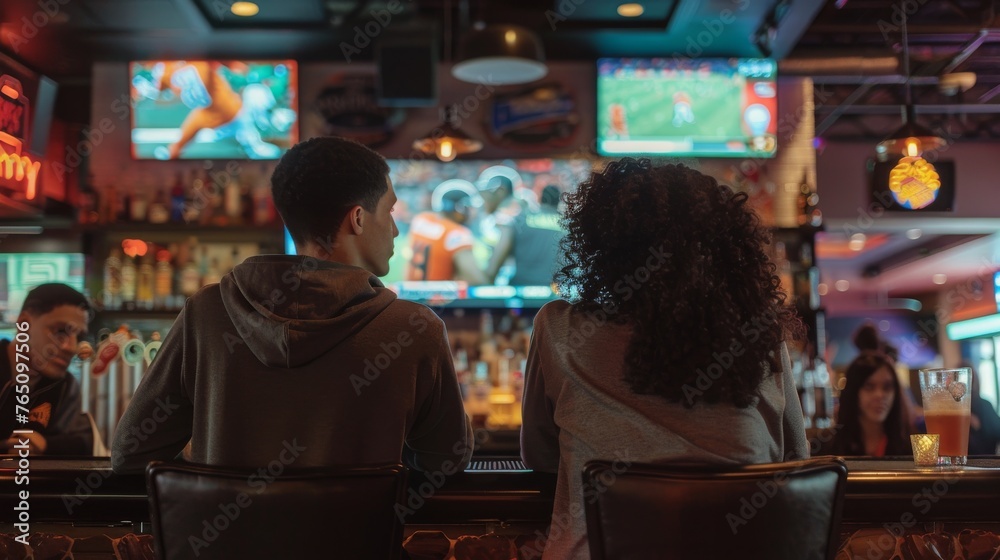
{"points": [[878, 491]]}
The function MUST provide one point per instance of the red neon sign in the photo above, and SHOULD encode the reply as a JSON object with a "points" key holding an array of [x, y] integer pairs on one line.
{"points": [[13, 129], [14, 166]]}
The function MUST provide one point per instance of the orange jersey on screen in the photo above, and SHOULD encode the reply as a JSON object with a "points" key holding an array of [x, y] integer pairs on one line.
{"points": [[434, 241]]}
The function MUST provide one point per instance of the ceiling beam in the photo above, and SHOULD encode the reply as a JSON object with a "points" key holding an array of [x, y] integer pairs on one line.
{"points": [[989, 94], [966, 51], [855, 96]]}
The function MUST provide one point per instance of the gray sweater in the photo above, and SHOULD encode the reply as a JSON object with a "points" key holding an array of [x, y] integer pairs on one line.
{"points": [[577, 407], [307, 362]]}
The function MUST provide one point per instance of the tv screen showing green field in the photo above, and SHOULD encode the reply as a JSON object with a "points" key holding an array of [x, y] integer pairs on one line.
{"points": [[191, 109], [690, 107]]}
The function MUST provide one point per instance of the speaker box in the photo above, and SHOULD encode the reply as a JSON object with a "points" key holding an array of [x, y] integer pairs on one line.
{"points": [[407, 64]]}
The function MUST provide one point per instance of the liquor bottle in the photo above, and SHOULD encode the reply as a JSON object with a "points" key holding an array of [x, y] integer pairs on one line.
{"points": [[128, 283], [125, 210], [213, 276], [263, 205], [190, 279], [217, 204], [478, 405], [159, 209], [110, 204], [487, 343], [177, 200], [232, 201], [197, 200], [247, 209], [462, 371], [144, 284], [164, 276], [203, 264], [234, 259], [89, 210], [112, 298], [138, 207]]}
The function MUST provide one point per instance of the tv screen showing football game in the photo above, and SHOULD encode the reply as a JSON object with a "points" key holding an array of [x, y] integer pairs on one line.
{"points": [[687, 107], [479, 233], [191, 109]]}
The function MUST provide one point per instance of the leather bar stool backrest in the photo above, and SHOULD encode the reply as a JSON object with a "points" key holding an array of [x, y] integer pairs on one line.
{"points": [[206, 513], [779, 511]]}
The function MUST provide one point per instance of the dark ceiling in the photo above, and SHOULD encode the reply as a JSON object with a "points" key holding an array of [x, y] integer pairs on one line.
{"points": [[86, 30], [852, 48]]}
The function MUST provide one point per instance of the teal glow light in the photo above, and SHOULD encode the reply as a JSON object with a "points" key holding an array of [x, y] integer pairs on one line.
{"points": [[972, 328]]}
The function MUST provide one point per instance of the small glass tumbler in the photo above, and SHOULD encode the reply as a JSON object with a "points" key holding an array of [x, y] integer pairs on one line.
{"points": [[925, 449]]}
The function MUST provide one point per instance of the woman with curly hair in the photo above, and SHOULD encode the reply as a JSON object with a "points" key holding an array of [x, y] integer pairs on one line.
{"points": [[871, 419], [673, 348]]}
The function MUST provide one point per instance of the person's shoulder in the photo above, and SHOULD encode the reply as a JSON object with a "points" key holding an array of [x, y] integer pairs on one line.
{"points": [[413, 315], [206, 295], [555, 311]]}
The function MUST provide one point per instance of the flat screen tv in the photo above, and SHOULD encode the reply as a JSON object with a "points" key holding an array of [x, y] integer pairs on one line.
{"points": [[453, 218], [723, 107], [197, 109]]}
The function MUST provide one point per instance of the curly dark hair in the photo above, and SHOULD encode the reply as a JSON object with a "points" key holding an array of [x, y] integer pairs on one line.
{"points": [[319, 180], [849, 439], [680, 259]]}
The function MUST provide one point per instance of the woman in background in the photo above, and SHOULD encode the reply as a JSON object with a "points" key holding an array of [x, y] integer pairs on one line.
{"points": [[871, 419], [673, 349]]}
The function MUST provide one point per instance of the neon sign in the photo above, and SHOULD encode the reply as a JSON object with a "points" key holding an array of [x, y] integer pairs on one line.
{"points": [[13, 130], [14, 166]]}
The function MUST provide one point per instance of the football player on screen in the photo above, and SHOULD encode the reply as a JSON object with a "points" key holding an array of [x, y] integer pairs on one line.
{"points": [[211, 99], [683, 114], [440, 242]]}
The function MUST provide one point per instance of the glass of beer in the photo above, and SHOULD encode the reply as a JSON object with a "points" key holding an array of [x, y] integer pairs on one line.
{"points": [[947, 396]]}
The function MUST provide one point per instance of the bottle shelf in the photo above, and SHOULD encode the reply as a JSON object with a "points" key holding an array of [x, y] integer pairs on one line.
{"points": [[190, 229], [103, 314]]}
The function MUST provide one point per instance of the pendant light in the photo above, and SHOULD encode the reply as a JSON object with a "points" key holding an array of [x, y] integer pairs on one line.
{"points": [[912, 139], [447, 141], [500, 55]]}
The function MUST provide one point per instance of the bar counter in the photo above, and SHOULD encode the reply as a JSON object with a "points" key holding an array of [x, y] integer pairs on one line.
{"points": [[884, 496]]}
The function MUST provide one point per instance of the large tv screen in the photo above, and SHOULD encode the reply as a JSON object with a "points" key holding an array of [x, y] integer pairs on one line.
{"points": [[191, 109], [479, 233], [687, 107]]}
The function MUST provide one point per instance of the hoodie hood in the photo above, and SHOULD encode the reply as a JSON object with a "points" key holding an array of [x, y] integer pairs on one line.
{"points": [[292, 309]]}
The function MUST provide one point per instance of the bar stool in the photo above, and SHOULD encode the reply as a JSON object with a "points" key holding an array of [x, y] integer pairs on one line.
{"points": [[778, 511], [221, 513]]}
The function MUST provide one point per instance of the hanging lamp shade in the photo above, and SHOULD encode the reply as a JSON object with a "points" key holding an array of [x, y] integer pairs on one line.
{"points": [[500, 55], [911, 140], [447, 141]]}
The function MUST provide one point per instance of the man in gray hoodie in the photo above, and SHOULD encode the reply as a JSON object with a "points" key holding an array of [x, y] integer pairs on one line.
{"points": [[307, 360]]}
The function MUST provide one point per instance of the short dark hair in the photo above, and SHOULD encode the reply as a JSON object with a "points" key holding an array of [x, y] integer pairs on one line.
{"points": [[318, 180], [46, 297]]}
